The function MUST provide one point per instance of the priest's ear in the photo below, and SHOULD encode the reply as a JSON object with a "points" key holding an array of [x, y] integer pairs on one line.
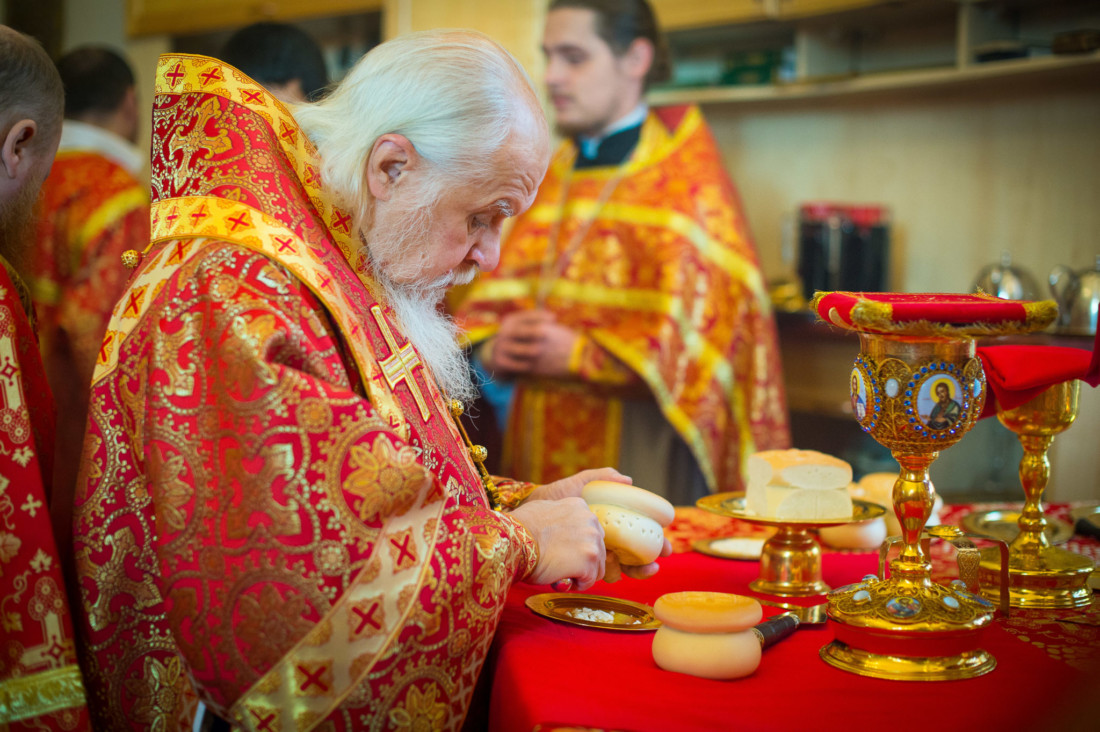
{"points": [[15, 149], [637, 59], [391, 159]]}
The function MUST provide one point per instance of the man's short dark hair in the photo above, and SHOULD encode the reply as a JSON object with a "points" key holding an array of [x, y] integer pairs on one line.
{"points": [[29, 85], [277, 53], [96, 79], [620, 22]]}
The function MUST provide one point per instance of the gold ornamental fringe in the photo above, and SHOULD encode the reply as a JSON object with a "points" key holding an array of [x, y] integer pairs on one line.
{"points": [[878, 317], [24, 697]]}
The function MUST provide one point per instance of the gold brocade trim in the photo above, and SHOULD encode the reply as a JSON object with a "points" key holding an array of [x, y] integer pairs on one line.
{"points": [[187, 73], [730, 262], [674, 413], [107, 215], [325, 666], [878, 317], [24, 697], [240, 224], [654, 145]]}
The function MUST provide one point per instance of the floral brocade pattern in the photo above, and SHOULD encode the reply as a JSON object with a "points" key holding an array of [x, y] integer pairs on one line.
{"points": [[263, 521], [665, 281]]}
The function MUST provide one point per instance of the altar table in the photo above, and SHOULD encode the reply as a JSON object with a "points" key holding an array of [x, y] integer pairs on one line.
{"points": [[546, 675]]}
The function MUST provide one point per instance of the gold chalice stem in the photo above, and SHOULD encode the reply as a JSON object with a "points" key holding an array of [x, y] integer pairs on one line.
{"points": [[913, 498], [1034, 474], [1035, 423]]}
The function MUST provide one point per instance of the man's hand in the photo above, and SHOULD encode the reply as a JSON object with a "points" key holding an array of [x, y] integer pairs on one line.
{"points": [[642, 571], [530, 342], [570, 541], [571, 486]]}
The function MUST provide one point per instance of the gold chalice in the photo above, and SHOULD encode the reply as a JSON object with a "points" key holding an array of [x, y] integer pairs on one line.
{"points": [[790, 560], [917, 395], [1040, 575]]}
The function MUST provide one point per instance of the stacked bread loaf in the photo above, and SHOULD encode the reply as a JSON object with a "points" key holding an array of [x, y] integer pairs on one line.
{"points": [[799, 485], [633, 519], [707, 634]]}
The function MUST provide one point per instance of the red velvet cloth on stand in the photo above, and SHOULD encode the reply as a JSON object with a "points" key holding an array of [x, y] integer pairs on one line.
{"points": [[1018, 373], [842, 308]]}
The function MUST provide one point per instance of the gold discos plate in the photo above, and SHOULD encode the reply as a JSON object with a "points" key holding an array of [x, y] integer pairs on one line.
{"points": [[1005, 525], [734, 505], [594, 611], [731, 547]]}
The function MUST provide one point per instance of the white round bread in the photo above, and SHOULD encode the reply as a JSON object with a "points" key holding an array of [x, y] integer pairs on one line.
{"points": [[635, 538], [699, 611], [707, 655], [879, 488], [637, 499], [799, 469], [862, 535]]}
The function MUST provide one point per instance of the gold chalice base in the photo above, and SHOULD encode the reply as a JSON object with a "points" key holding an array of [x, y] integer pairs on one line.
{"points": [[1053, 578], [906, 631], [965, 665], [790, 560]]}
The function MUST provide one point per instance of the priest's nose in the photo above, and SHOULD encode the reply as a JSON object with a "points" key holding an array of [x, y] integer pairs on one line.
{"points": [[486, 252]]}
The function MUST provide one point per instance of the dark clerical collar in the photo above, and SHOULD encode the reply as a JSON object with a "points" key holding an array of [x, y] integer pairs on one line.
{"points": [[612, 150]]}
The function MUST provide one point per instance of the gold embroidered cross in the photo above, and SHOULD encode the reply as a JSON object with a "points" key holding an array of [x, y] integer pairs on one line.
{"points": [[399, 365]]}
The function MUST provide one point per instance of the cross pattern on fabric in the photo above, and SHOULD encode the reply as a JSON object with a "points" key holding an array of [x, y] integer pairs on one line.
{"points": [[398, 366]]}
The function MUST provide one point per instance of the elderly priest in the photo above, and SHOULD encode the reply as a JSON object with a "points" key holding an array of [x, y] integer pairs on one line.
{"points": [[278, 514]]}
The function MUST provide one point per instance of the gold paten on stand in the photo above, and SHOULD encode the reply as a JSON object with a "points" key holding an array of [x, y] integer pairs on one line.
{"points": [[790, 561], [1040, 575], [917, 395]]}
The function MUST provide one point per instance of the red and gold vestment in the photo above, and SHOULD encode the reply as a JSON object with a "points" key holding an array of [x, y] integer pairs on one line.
{"points": [[652, 262], [277, 513], [92, 210], [40, 681]]}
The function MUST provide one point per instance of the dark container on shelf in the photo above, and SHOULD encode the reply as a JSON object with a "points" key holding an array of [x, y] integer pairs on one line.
{"points": [[843, 247]]}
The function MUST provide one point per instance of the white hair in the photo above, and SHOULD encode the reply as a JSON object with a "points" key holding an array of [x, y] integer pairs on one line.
{"points": [[456, 95]]}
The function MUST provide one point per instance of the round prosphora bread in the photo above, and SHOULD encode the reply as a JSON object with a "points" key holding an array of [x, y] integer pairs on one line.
{"points": [[879, 488], [707, 634], [798, 485], [632, 519]]}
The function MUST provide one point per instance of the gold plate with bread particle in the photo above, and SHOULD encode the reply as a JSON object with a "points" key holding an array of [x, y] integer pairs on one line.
{"points": [[731, 547], [628, 615], [1005, 525]]}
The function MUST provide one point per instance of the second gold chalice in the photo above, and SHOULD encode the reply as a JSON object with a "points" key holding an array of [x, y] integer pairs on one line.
{"points": [[1040, 575]]}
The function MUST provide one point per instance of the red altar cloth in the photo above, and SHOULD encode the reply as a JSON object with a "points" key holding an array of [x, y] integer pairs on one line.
{"points": [[546, 672]]}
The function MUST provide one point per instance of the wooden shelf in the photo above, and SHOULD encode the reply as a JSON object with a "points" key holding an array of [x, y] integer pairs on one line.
{"points": [[179, 17], [1085, 67]]}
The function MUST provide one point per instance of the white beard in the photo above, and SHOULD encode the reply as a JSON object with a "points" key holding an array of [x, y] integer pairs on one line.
{"points": [[432, 332]]}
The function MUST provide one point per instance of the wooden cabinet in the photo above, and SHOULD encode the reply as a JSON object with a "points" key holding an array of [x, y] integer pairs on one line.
{"points": [[820, 48], [678, 14], [515, 24], [181, 17]]}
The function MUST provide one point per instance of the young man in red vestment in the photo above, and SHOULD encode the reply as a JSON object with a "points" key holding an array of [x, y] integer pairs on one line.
{"points": [[629, 315], [277, 513], [93, 207], [40, 682]]}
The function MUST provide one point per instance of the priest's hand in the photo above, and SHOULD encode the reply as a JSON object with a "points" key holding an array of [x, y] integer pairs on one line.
{"points": [[569, 539], [571, 486], [637, 571], [530, 342]]}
